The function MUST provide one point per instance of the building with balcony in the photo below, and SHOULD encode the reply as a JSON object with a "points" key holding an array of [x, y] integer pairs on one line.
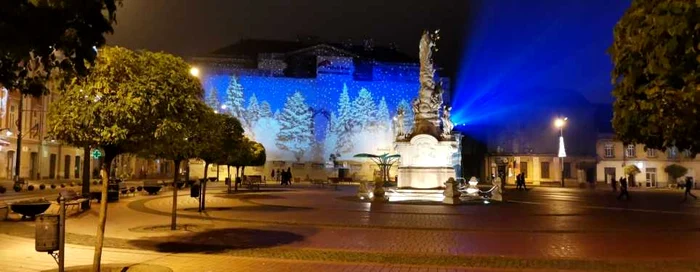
{"points": [[614, 156]]}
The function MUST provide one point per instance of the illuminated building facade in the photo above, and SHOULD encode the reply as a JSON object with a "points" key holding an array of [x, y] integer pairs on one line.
{"points": [[348, 96]]}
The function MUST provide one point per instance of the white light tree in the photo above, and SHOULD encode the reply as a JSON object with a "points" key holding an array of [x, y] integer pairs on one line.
{"points": [[234, 99], [253, 111], [364, 110], [212, 99], [344, 126], [296, 133], [265, 110]]}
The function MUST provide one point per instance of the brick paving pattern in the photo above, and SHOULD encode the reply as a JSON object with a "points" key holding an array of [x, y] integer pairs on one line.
{"points": [[543, 224]]}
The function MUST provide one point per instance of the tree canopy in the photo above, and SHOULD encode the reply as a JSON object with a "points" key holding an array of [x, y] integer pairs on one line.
{"points": [[40, 35], [656, 74], [129, 99]]}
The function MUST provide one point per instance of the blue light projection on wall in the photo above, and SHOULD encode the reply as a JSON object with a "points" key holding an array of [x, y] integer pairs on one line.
{"points": [[321, 94], [522, 54]]}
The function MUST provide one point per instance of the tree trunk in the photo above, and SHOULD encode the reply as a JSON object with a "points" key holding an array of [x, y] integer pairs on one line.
{"points": [[173, 222], [102, 221], [235, 183], [242, 171], [203, 188], [217, 172], [86, 177], [228, 167]]}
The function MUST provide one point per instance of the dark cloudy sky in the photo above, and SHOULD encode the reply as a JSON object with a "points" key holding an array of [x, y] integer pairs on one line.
{"points": [[192, 27], [571, 35]]}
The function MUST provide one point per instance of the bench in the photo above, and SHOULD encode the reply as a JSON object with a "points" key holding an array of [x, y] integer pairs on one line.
{"points": [[124, 190], [151, 186], [252, 182], [336, 181], [72, 198], [319, 182]]}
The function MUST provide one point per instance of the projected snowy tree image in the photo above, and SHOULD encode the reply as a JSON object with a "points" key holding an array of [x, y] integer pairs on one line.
{"points": [[310, 119], [296, 131], [234, 99]]}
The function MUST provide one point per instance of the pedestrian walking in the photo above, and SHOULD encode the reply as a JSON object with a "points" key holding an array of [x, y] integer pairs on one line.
{"points": [[522, 181], [613, 183], [623, 189], [517, 182], [688, 188], [273, 174]]}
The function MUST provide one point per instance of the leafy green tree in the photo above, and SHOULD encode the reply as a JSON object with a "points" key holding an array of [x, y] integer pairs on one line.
{"points": [[127, 101], [220, 133], [675, 171], [232, 140], [254, 155], [180, 140], [656, 74], [40, 35]]}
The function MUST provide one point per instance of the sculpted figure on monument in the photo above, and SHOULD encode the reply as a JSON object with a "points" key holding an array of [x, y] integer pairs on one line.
{"points": [[447, 124], [399, 124]]}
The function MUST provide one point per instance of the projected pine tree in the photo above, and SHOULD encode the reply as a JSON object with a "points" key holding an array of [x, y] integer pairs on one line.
{"points": [[265, 110], [364, 109], [296, 132], [234, 99], [345, 124], [212, 99], [331, 140], [383, 117], [408, 117], [253, 112]]}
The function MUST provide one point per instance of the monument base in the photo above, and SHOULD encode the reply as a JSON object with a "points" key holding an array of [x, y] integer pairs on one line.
{"points": [[426, 162], [424, 177]]}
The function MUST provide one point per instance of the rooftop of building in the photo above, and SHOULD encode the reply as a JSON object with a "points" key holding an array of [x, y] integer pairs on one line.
{"points": [[251, 48]]}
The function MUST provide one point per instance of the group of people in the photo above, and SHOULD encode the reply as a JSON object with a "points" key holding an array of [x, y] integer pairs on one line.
{"points": [[624, 188], [284, 177], [520, 182]]}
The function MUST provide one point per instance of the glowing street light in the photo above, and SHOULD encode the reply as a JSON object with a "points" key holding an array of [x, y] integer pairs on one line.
{"points": [[194, 71], [223, 107], [560, 123]]}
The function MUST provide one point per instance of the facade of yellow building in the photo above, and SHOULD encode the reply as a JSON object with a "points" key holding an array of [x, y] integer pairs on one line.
{"points": [[614, 156]]}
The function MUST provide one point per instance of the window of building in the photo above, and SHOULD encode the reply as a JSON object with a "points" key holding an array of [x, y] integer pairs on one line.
{"points": [[630, 152], [544, 168], [651, 153], [567, 170], [672, 152], [13, 118], [609, 150], [686, 153], [77, 167], [523, 168], [651, 177]]}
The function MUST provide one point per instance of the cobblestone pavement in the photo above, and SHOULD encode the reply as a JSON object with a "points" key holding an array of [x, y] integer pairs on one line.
{"points": [[542, 228]]}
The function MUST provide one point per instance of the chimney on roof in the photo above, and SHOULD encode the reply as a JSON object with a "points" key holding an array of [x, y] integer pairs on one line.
{"points": [[368, 44], [347, 44]]}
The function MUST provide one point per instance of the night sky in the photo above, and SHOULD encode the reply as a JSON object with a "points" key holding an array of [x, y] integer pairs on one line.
{"points": [[482, 40]]}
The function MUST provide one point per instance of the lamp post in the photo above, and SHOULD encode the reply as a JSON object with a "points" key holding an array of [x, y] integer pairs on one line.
{"points": [[560, 123]]}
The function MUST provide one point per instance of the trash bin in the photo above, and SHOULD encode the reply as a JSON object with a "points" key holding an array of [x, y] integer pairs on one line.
{"points": [[46, 239], [4, 210], [194, 190]]}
